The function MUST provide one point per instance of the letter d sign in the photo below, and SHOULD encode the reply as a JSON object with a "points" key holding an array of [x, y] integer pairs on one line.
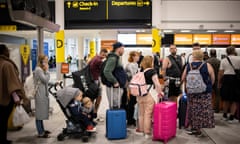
{"points": [[60, 46]]}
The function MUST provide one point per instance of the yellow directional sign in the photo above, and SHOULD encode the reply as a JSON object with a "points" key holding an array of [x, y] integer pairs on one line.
{"points": [[8, 28], [60, 46], [156, 44], [92, 49], [25, 53]]}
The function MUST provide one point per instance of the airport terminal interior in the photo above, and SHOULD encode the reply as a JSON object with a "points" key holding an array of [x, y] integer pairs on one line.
{"points": [[81, 28]]}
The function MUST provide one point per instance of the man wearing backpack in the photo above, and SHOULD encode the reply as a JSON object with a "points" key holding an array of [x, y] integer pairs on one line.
{"points": [[95, 69], [114, 74], [172, 70]]}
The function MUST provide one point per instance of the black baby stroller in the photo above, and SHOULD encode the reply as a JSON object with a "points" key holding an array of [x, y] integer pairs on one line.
{"points": [[74, 128]]}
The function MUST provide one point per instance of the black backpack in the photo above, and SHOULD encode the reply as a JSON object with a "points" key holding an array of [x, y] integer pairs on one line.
{"points": [[84, 81], [119, 73]]}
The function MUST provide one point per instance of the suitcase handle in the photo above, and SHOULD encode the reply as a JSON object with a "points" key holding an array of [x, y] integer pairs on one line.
{"points": [[111, 98]]}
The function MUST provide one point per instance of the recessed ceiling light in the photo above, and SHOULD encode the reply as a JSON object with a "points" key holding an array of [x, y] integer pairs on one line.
{"points": [[211, 31], [167, 31], [229, 31], [185, 31]]}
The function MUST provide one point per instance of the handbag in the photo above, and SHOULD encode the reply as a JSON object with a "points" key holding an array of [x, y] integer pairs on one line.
{"points": [[20, 116], [237, 71]]}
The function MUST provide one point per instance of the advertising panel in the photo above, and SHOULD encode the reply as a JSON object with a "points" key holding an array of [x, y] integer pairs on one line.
{"points": [[183, 39], [235, 39], [203, 39], [221, 39]]}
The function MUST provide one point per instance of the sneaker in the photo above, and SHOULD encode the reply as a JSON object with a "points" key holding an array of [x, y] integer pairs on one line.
{"points": [[232, 121], [225, 117], [90, 128], [138, 132], [147, 136]]}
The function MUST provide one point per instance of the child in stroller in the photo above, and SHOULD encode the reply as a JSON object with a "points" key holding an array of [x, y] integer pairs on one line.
{"points": [[79, 120], [82, 109]]}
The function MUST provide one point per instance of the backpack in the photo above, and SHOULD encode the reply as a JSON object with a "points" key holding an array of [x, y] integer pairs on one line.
{"points": [[83, 80], [195, 83], [138, 85]]}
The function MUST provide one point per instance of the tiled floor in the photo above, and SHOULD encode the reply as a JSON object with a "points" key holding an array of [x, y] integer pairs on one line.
{"points": [[223, 133]]}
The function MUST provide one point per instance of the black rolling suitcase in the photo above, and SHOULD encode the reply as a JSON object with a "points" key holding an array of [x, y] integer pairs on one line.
{"points": [[182, 111]]}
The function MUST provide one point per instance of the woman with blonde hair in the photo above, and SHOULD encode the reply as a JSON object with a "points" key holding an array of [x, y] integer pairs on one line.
{"points": [[131, 69], [41, 80], [200, 112], [146, 103]]}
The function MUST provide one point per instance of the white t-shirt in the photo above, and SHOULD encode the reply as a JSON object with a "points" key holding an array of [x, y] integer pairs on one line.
{"points": [[226, 66]]}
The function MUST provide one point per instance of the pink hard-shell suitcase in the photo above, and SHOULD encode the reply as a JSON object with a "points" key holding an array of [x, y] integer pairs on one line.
{"points": [[165, 121]]}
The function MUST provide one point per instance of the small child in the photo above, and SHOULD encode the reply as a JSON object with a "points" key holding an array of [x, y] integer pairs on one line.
{"points": [[78, 109], [88, 107]]}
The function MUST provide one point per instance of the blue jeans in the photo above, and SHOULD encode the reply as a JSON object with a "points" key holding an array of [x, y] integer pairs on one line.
{"points": [[40, 127]]}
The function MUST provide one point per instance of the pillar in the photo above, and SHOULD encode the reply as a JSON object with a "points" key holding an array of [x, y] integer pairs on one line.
{"points": [[59, 15]]}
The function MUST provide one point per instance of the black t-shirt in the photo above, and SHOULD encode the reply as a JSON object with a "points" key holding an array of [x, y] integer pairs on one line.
{"points": [[148, 75]]}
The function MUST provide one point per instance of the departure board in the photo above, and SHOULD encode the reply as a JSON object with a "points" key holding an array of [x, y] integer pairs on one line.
{"points": [[107, 12], [129, 10], [85, 10]]}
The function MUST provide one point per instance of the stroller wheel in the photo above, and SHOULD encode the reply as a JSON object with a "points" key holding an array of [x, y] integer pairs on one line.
{"points": [[61, 137], [85, 138]]}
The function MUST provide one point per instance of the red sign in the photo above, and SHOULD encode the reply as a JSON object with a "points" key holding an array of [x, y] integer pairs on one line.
{"points": [[65, 68], [221, 39], [107, 44]]}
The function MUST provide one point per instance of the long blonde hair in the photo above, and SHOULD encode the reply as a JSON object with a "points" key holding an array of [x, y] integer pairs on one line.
{"points": [[147, 62]]}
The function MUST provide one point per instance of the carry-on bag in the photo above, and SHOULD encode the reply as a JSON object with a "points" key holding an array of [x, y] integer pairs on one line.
{"points": [[182, 111], [116, 127], [165, 120]]}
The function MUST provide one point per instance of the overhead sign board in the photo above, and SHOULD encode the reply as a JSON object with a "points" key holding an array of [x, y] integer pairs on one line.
{"points": [[85, 10], [127, 39], [235, 39], [129, 9], [107, 12], [183, 39], [203, 39], [221, 39], [107, 44], [144, 39]]}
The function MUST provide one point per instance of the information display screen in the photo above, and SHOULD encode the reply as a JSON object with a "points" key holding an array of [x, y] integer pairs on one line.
{"points": [[85, 10], [107, 13]]}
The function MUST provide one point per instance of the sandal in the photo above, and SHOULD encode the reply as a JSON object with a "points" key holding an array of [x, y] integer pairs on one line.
{"points": [[47, 132], [44, 136]]}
